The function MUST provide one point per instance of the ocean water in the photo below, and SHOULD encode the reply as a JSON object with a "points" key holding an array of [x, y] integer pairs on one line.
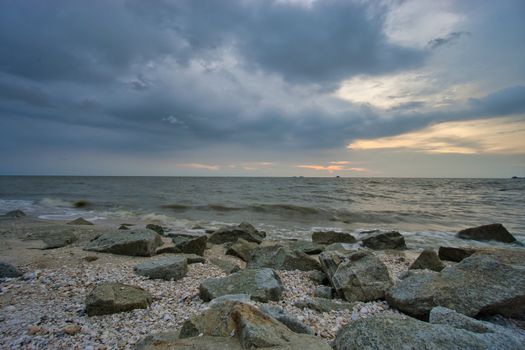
{"points": [[427, 211]]}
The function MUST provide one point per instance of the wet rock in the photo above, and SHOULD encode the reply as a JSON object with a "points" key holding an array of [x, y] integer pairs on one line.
{"points": [[394, 331], [492, 232], [428, 259], [190, 244], [233, 233], [157, 228], [8, 270], [455, 254], [225, 265], [483, 284], [282, 258], [167, 268], [242, 249], [261, 284], [80, 221], [15, 214], [385, 240], [109, 298], [132, 242], [323, 305], [363, 277], [285, 318], [329, 237], [324, 292]]}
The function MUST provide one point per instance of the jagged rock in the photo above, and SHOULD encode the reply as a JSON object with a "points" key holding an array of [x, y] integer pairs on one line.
{"points": [[80, 221], [492, 232], [323, 305], [225, 265], [482, 284], [285, 318], [330, 261], [158, 341], [363, 277], [282, 258], [261, 284], [306, 247], [318, 277], [132, 242], [324, 292], [123, 227], [428, 259], [394, 331], [58, 239], [109, 298], [157, 228], [15, 214], [385, 240], [190, 244], [233, 233], [8, 270], [455, 254], [242, 249], [329, 237], [167, 268]]}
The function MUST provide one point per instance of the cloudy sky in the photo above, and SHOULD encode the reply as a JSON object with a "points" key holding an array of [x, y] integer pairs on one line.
{"points": [[261, 87]]}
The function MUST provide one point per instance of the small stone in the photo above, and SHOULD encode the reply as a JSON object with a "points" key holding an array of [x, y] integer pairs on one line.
{"points": [[72, 329], [90, 258], [34, 330]]}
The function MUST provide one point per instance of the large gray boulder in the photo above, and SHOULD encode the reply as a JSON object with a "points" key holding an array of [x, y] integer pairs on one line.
{"points": [[166, 268], [330, 261], [242, 249], [385, 240], [232, 233], [363, 277], [428, 259], [190, 244], [492, 232], [58, 238], [132, 242], [483, 284], [109, 298], [282, 258], [329, 237], [446, 332], [8, 270], [261, 284], [227, 266], [306, 247], [455, 254], [285, 318]]}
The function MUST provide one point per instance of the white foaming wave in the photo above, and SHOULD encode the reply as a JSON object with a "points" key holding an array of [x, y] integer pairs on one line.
{"points": [[6, 205], [55, 202]]}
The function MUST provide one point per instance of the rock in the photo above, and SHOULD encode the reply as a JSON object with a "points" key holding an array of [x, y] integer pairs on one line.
{"points": [[158, 341], [257, 330], [123, 227], [80, 221], [90, 258], [329, 237], [109, 298], [492, 232], [318, 277], [306, 247], [166, 268], [15, 214], [363, 277], [233, 233], [261, 284], [330, 261], [157, 228], [193, 258], [8, 270], [196, 343], [132, 242], [285, 318], [483, 284], [428, 259], [190, 244], [81, 204], [58, 239], [385, 240], [72, 329], [394, 331], [33, 330], [225, 265], [455, 254], [342, 247], [282, 258], [242, 249], [323, 305], [324, 292]]}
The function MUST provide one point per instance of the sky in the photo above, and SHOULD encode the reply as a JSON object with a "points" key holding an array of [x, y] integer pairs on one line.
{"points": [[401, 88]]}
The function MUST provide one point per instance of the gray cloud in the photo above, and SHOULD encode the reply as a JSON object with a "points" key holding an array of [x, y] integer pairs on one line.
{"points": [[449, 39]]}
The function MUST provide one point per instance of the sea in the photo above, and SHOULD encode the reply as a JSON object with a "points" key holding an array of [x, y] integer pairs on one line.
{"points": [[427, 211]]}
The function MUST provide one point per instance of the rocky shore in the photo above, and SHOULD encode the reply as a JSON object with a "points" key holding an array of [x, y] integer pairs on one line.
{"points": [[82, 286]]}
